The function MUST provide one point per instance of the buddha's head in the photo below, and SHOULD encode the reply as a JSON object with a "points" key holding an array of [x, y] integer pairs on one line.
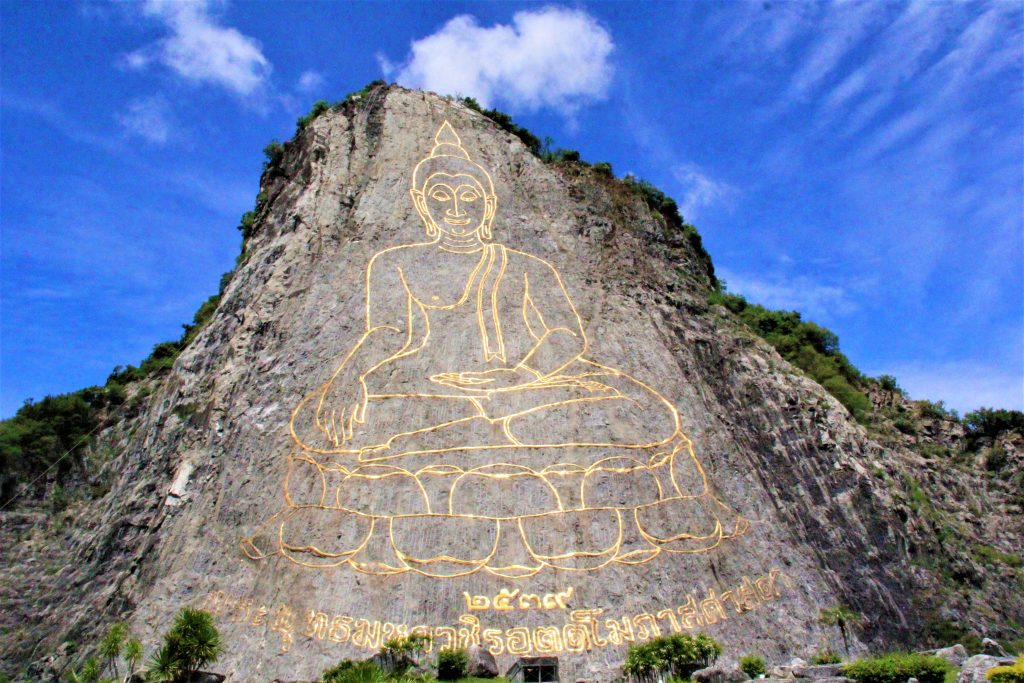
{"points": [[453, 194]]}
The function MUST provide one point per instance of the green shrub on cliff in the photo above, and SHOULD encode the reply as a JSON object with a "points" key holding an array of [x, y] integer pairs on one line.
{"points": [[753, 665], [347, 671], [897, 668], [451, 664], [810, 347]]}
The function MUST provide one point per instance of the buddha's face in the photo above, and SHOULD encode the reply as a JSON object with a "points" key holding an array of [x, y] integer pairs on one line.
{"points": [[456, 204]]}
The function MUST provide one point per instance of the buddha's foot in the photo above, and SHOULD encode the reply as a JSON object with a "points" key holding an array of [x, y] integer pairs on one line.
{"points": [[688, 525], [323, 537]]}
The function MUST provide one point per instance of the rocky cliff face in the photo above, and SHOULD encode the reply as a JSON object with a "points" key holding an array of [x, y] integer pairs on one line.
{"points": [[805, 510]]}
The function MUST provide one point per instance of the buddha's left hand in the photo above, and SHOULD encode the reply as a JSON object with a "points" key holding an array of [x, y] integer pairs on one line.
{"points": [[489, 380]]}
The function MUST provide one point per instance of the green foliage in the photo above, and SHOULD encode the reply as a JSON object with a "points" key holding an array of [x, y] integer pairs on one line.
{"points": [[506, 123], [192, 642], [889, 383], [810, 347], [245, 224], [667, 208], [401, 652], [132, 654], [897, 668], [112, 644], [677, 655], [319, 107], [753, 665], [202, 316], [603, 168], [905, 423], [935, 410], [348, 671], [359, 95], [944, 633], [996, 459], [826, 657], [986, 554], [1007, 674], [451, 664], [274, 155], [985, 424], [50, 433]]}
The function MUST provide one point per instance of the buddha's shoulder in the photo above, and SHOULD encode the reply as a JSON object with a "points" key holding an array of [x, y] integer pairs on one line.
{"points": [[527, 262], [397, 256]]}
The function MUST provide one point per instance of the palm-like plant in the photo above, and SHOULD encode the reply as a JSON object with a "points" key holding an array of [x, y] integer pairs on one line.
{"points": [[195, 639], [132, 655], [844, 618], [111, 645], [164, 666]]}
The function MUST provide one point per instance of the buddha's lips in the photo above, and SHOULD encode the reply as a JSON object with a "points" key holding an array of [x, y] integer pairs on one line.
{"points": [[457, 221]]}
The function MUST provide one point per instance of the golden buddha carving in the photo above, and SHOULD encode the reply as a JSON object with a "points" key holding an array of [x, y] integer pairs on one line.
{"points": [[467, 431]]}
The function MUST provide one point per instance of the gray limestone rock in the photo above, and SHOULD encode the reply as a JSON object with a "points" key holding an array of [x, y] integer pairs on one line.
{"points": [[786, 670], [817, 671], [954, 654], [719, 674], [991, 647], [975, 668], [481, 663]]}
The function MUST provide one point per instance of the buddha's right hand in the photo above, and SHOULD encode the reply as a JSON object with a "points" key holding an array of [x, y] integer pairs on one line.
{"points": [[342, 406]]}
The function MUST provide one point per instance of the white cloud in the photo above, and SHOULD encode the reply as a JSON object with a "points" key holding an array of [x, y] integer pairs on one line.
{"points": [[147, 118], [699, 190], [964, 385], [201, 50], [310, 81], [551, 57], [815, 301]]}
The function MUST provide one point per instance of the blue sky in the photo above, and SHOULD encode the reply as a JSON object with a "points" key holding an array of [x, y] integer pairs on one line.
{"points": [[862, 163]]}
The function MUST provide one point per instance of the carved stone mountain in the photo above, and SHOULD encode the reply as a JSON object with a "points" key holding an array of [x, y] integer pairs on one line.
{"points": [[777, 471]]}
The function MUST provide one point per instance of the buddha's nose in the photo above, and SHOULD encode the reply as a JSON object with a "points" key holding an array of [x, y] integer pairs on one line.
{"points": [[454, 210]]}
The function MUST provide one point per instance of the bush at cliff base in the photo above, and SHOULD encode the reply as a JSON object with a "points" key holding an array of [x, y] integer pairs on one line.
{"points": [[897, 668], [677, 655], [1007, 674], [753, 665], [451, 664]]}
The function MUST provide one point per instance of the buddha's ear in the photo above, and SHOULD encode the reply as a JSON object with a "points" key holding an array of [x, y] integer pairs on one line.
{"points": [[490, 208], [421, 208]]}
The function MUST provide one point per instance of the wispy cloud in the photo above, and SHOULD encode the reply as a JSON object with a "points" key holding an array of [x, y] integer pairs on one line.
{"points": [[699, 190], [147, 118], [201, 50], [818, 301], [552, 57], [310, 81]]}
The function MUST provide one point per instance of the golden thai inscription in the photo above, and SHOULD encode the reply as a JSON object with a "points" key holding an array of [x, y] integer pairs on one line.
{"points": [[583, 630], [507, 600]]}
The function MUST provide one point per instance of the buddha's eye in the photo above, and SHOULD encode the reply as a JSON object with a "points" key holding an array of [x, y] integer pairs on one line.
{"points": [[468, 196], [440, 195]]}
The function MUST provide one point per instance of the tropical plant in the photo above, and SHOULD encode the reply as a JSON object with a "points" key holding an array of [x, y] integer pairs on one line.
{"points": [[677, 655], [191, 643], [347, 671], [753, 665], [451, 664], [844, 619], [132, 656], [897, 668], [401, 652], [112, 644]]}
